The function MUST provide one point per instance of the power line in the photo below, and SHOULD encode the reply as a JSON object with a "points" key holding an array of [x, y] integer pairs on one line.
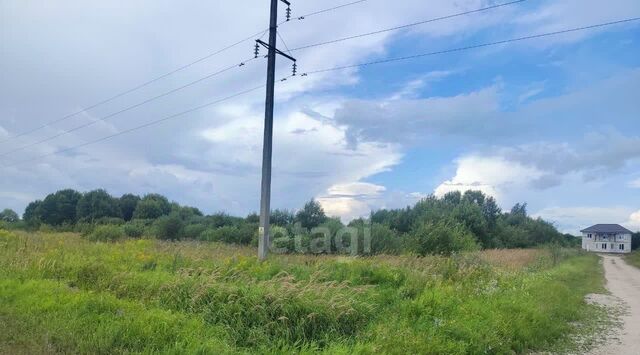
{"points": [[330, 9], [136, 88], [283, 42], [102, 119], [459, 49], [409, 25], [148, 124], [158, 78]]}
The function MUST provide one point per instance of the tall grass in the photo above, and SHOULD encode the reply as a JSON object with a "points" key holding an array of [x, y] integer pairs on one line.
{"points": [[63, 293], [633, 258]]}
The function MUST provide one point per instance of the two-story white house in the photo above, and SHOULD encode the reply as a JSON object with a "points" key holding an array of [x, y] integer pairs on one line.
{"points": [[606, 238]]}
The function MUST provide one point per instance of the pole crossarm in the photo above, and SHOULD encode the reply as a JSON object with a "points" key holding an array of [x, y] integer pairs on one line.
{"points": [[267, 46]]}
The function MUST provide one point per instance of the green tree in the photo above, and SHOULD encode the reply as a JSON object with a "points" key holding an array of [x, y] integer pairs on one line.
{"points": [[169, 227], [152, 206], [311, 215], [252, 218], [452, 197], [282, 218], [60, 207], [128, 203], [32, 212], [9, 215], [97, 204]]}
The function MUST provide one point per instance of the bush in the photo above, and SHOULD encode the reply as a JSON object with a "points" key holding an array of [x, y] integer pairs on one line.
{"points": [[229, 234], [109, 220], [169, 227], [442, 238], [384, 240], [193, 231], [106, 233], [84, 228], [134, 229]]}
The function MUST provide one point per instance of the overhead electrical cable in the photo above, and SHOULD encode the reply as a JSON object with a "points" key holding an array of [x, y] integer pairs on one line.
{"points": [[148, 124], [459, 49], [158, 78], [408, 25], [382, 61], [128, 108]]}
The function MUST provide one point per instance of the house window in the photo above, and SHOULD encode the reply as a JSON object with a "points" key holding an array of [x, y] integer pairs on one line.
{"points": [[621, 246], [604, 246], [589, 235]]}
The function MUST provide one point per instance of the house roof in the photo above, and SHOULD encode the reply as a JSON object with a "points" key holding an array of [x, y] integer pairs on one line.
{"points": [[606, 228]]}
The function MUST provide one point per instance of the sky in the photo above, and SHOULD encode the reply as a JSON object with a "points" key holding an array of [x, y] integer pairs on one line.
{"points": [[553, 121]]}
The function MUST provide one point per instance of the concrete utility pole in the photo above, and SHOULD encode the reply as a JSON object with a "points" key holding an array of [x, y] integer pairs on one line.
{"points": [[265, 196]]}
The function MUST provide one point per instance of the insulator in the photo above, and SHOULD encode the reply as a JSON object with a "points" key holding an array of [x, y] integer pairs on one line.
{"points": [[283, 79], [241, 64], [304, 74], [301, 18], [295, 69], [288, 13], [256, 51]]}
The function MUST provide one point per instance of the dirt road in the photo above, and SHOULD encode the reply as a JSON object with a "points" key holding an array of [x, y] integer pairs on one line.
{"points": [[623, 281]]}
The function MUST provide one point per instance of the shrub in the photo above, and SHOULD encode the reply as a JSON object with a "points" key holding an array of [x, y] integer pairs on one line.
{"points": [[193, 231], [84, 228], [110, 220], [442, 238], [169, 227], [384, 240], [281, 241], [229, 234], [106, 233], [134, 229]]}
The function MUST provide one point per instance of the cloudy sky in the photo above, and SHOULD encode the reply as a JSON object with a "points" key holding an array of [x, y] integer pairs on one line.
{"points": [[554, 121]]}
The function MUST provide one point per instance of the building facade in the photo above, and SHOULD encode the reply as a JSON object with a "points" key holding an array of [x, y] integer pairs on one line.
{"points": [[606, 238]]}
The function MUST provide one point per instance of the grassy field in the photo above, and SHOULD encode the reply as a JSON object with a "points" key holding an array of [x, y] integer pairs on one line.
{"points": [[633, 258], [62, 294]]}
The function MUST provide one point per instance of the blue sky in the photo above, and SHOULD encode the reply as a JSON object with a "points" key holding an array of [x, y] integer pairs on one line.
{"points": [[553, 122]]}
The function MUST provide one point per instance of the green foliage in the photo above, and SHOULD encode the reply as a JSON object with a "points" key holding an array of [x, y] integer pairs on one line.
{"points": [[193, 231], [635, 241], [152, 206], [9, 216], [58, 208], [479, 215], [128, 204], [134, 229], [106, 233], [442, 238], [311, 215], [97, 204], [229, 234], [168, 227], [282, 218], [252, 218]]}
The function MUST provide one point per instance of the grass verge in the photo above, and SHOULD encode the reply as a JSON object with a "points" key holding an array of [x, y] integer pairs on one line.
{"points": [[60, 293]]}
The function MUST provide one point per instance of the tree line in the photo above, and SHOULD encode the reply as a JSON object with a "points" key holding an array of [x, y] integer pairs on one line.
{"points": [[455, 222]]}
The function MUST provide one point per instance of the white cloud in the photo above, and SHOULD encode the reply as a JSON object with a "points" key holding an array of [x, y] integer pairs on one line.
{"points": [[211, 158], [634, 221], [355, 189], [492, 175], [351, 200], [635, 184], [573, 219], [559, 15]]}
